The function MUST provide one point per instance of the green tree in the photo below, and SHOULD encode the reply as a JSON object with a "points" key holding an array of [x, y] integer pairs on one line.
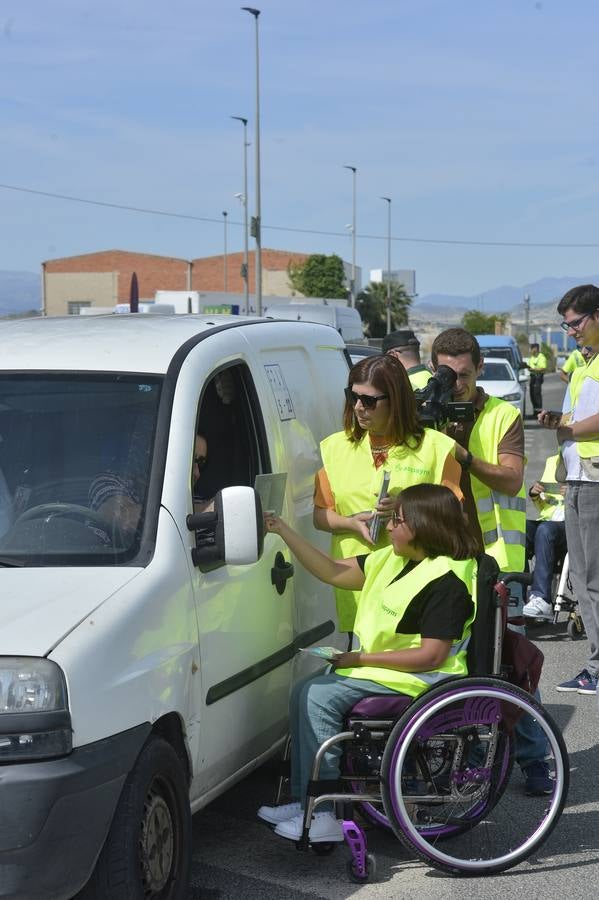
{"points": [[319, 276], [371, 303], [478, 323]]}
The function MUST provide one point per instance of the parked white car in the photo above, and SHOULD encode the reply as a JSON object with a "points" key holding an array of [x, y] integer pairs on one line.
{"points": [[499, 380]]}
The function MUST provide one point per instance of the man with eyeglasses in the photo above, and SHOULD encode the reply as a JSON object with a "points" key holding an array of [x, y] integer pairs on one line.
{"points": [[578, 437]]}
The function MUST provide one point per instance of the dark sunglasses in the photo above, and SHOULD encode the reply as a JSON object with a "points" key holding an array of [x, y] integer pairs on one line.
{"points": [[396, 519], [575, 323], [366, 400], [200, 461]]}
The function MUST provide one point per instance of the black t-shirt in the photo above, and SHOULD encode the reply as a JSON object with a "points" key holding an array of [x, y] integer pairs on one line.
{"points": [[439, 610]]}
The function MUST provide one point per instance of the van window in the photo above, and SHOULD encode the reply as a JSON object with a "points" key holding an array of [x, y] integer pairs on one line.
{"points": [[75, 455], [230, 421]]}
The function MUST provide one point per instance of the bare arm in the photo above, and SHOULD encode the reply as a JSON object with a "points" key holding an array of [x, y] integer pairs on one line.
{"points": [[564, 376], [343, 573], [333, 522], [431, 654], [585, 430], [506, 477]]}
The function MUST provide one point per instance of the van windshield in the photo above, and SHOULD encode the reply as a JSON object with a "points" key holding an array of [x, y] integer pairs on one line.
{"points": [[75, 455]]}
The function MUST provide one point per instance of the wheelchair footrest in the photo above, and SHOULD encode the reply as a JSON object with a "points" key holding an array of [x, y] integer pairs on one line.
{"points": [[325, 786], [356, 841]]}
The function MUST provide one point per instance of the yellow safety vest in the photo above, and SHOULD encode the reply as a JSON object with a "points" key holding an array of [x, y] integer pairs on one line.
{"points": [[553, 497], [419, 376], [537, 362], [574, 361], [586, 449], [502, 518], [356, 483], [383, 604]]}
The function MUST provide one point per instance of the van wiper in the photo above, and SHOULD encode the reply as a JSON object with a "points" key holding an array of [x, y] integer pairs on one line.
{"points": [[7, 563]]}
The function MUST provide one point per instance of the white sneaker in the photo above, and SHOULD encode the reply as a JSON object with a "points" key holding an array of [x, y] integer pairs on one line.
{"points": [[324, 827], [537, 608], [275, 814]]}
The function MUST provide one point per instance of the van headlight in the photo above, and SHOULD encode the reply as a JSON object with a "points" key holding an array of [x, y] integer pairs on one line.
{"points": [[34, 718], [512, 396]]}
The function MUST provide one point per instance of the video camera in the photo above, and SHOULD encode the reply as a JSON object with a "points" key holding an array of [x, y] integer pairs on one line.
{"points": [[434, 404]]}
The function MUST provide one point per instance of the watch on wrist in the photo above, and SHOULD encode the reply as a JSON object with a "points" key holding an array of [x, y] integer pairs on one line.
{"points": [[466, 463]]}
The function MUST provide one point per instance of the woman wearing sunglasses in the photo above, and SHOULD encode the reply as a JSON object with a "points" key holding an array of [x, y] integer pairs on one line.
{"points": [[416, 603], [381, 433]]}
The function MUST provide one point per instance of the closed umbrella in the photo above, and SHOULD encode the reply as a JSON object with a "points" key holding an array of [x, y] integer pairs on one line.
{"points": [[134, 294]]}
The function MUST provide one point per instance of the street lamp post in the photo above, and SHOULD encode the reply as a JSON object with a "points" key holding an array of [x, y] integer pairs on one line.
{"points": [[388, 202], [225, 273], [256, 222], [352, 291], [244, 200]]}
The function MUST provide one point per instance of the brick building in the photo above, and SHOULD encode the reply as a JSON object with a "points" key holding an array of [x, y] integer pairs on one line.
{"points": [[103, 279]]}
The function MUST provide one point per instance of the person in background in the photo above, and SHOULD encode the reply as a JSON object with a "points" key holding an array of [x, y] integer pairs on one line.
{"points": [[578, 438], [537, 365], [381, 433], [573, 362], [200, 458], [417, 600], [405, 346], [545, 540], [491, 453]]}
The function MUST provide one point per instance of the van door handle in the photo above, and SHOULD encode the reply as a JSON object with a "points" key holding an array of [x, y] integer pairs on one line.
{"points": [[280, 572]]}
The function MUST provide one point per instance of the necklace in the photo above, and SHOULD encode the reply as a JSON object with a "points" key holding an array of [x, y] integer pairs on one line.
{"points": [[379, 455]]}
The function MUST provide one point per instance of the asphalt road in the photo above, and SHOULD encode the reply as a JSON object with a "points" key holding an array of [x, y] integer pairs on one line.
{"points": [[235, 856]]}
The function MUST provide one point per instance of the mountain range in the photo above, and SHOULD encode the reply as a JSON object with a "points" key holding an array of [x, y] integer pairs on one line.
{"points": [[508, 298], [20, 292]]}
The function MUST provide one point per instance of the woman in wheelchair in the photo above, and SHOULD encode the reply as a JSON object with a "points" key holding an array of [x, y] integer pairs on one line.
{"points": [[416, 605]]}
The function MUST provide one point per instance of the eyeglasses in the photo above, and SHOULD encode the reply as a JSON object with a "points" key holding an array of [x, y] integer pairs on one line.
{"points": [[396, 519], [200, 461], [366, 400], [575, 323]]}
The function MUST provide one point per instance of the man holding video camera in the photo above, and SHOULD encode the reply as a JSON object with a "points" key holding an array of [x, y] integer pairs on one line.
{"points": [[490, 449]]}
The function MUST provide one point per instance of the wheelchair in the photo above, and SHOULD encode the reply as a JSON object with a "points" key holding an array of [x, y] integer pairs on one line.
{"points": [[438, 770]]}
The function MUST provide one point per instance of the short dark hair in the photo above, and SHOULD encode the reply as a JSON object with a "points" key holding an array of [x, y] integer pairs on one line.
{"points": [[388, 376], [435, 515], [581, 299], [533, 345], [454, 342]]}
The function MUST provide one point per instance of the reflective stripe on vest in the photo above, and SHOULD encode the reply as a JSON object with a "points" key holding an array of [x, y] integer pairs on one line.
{"points": [[356, 482], [502, 518], [383, 604]]}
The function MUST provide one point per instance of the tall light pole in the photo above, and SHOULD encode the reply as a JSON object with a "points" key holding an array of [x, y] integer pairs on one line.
{"points": [[256, 220], [388, 202], [225, 280], [244, 199], [352, 287]]}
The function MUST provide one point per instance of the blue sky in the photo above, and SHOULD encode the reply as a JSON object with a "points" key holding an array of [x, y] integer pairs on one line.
{"points": [[479, 118]]}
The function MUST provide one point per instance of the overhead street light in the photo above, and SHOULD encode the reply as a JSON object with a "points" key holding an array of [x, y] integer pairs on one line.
{"points": [[388, 202], [243, 198], [352, 286], [256, 222]]}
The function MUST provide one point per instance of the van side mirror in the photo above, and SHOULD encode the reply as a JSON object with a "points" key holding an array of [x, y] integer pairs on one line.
{"points": [[231, 535]]}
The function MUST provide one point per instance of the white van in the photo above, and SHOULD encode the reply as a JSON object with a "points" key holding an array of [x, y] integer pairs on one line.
{"points": [[147, 650], [345, 319]]}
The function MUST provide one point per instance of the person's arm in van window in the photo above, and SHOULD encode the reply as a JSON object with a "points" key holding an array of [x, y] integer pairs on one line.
{"points": [[343, 573], [325, 518]]}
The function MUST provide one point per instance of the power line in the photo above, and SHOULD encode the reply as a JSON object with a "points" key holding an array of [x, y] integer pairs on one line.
{"points": [[339, 234]]}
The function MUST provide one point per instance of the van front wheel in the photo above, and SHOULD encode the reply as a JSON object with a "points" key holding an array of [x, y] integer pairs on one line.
{"points": [[147, 854]]}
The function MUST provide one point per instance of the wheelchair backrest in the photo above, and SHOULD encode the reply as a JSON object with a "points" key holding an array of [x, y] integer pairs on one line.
{"points": [[479, 655]]}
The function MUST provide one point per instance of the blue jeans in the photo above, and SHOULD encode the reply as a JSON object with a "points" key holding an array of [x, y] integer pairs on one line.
{"points": [[546, 541], [530, 743], [317, 709]]}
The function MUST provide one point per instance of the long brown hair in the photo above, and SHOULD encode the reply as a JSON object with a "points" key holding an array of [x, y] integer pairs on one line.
{"points": [[388, 376], [435, 515]]}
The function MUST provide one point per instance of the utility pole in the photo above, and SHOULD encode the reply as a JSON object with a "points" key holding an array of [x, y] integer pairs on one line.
{"points": [[527, 315], [352, 287], [388, 202]]}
